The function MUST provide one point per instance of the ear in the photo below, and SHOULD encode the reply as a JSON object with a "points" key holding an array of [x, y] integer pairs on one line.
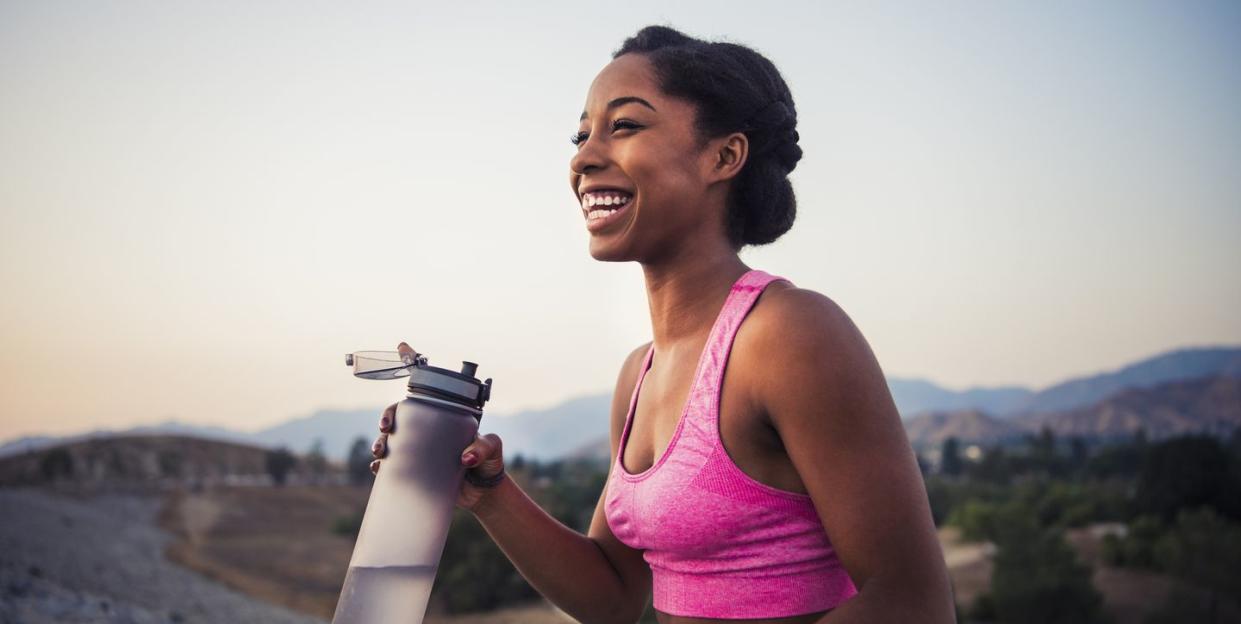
{"points": [[728, 155]]}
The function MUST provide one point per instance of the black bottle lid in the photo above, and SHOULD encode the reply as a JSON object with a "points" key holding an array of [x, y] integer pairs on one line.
{"points": [[461, 387]]}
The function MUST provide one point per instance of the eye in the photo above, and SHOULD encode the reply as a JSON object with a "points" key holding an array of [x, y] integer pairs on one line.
{"points": [[579, 138], [625, 124]]}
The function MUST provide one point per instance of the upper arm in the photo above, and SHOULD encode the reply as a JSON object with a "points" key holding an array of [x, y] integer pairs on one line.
{"points": [[827, 398], [633, 571]]}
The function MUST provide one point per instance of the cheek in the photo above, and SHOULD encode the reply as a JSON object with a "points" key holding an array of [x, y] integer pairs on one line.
{"points": [[663, 173]]}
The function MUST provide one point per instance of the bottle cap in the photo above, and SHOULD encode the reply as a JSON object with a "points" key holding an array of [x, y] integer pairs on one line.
{"points": [[458, 387]]}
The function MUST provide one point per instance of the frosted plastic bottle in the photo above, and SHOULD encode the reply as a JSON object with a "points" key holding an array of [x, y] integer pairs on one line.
{"points": [[412, 501]]}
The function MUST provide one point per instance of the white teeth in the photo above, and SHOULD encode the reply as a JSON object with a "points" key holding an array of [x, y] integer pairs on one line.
{"points": [[590, 200]]}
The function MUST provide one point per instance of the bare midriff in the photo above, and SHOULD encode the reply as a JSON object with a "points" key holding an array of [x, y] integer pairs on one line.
{"points": [[805, 618]]}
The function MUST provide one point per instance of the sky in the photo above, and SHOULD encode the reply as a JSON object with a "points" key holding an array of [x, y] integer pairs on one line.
{"points": [[204, 206]]}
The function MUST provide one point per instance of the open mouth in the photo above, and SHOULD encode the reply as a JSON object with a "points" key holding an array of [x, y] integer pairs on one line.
{"points": [[602, 207]]}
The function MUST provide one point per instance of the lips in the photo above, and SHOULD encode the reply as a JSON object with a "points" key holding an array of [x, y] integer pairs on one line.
{"points": [[602, 207]]}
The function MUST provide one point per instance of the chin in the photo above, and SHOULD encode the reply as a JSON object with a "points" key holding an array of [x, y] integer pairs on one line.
{"points": [[603, 252]]}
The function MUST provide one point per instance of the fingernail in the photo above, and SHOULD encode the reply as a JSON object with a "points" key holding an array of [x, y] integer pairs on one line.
{"points": [[470, 459], [375, 466], [376, 448], [384, 422]]}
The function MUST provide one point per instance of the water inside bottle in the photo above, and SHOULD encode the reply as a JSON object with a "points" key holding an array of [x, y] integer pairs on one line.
{"points": [[387, 594]]}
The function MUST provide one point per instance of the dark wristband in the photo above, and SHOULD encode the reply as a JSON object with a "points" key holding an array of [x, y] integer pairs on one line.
{"points": [[481, 482]]}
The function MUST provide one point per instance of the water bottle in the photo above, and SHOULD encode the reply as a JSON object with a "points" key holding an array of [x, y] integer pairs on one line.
{"points": [[412, 501]]}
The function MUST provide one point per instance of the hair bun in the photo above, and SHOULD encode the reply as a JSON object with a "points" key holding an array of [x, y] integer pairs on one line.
{"points": [[773, 130], [789, 153]]}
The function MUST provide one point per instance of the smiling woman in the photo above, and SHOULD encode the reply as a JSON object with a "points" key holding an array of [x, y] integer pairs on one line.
{"points": [[759, 467]]}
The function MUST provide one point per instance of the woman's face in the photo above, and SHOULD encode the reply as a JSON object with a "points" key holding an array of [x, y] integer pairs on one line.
{"points": [[640, 174]]}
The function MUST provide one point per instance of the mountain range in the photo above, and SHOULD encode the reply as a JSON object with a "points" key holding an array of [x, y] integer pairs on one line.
{"points": [[1206, 405], [1099, 404]]}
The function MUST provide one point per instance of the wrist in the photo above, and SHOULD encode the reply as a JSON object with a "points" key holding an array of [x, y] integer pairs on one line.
{"points": [[485, 483], [489, 498]]}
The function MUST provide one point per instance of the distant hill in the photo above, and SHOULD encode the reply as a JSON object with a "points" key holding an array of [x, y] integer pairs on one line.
{"points": [[1210, 405], [541, 434], [141, 460], [929, 430], [913, 396], [554, 432], [1182, 364], [170, 428], [337, 429], [570, 427]]}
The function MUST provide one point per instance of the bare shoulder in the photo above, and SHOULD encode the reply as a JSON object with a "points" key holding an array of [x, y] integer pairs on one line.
{"points": [[800, 342], [793, 322]]}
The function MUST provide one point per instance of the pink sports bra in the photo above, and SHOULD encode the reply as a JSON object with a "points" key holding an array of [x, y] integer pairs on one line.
{"points": [[721, 544]]}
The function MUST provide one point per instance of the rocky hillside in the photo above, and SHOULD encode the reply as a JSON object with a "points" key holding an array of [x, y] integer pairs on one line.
{"points": [[141, 460], [929, 430], [1206, 405]]}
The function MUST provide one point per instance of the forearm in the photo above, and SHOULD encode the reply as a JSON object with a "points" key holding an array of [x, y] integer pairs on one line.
{"points": [[566, 567]]}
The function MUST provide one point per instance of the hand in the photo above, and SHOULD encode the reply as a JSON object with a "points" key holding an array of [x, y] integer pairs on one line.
{"points": [[484, 456]]}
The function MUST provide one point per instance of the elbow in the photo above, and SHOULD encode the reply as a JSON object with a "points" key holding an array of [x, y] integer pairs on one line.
{"points": [[618, 611], [908, 600], [622, 615], [627, 606]]}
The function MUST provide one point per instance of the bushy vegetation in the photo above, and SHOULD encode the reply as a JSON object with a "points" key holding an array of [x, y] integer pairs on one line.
{"points": [[1178, 502], [279, 463]]}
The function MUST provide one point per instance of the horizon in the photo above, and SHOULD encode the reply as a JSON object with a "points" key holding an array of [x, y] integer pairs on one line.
{"points": [[539, 408], [203, 209]]}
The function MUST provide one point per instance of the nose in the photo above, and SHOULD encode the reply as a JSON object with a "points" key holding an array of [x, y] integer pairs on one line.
{"points": [[587, 159]]}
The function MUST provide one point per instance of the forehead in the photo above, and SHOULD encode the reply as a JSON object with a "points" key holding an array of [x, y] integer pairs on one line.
{"points": [[627, 75]]}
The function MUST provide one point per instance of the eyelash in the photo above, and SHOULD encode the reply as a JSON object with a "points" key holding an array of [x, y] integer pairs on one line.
{"points": [[619, 124]]}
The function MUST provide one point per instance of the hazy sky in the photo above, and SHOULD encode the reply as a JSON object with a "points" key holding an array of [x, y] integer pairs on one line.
{"points": [[203, 206]]}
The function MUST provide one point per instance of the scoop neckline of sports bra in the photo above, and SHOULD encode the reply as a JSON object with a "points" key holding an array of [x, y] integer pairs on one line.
{"points": [[650, 358]]}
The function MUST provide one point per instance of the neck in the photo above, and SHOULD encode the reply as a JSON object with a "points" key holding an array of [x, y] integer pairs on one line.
{"points": [[685, 295]]}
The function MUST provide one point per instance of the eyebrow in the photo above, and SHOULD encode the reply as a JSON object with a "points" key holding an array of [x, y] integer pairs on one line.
{"points": [[621, 101]]}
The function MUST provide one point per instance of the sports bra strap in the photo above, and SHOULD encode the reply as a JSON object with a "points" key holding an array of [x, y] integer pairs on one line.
{"points": [[740, 300]]}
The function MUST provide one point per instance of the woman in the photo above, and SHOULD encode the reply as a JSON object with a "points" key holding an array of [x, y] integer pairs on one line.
{"points": [[759, 468]]}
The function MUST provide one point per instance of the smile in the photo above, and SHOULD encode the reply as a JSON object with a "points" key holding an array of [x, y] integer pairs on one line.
{"points": [[603, 207]]}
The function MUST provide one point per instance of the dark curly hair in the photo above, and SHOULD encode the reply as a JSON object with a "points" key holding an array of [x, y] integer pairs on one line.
{"points": [[735, 89]]}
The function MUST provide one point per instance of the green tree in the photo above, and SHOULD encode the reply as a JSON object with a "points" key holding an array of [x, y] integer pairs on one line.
{"points": [[1187, 472], [1038, 580], [359, 462], [279, 462], [995, 467], [950, 457], [474, 574], [979, 520], [56, 463], [1204, 549], [316, 460]]}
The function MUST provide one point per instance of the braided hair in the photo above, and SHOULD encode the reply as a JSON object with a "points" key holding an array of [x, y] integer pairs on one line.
{"points": [[735, 89]]}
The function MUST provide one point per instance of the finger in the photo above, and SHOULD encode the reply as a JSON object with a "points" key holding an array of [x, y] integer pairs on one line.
{"points": [[484, 448], [407, 353], [380, 448], [375, 467], [387, 422]]}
